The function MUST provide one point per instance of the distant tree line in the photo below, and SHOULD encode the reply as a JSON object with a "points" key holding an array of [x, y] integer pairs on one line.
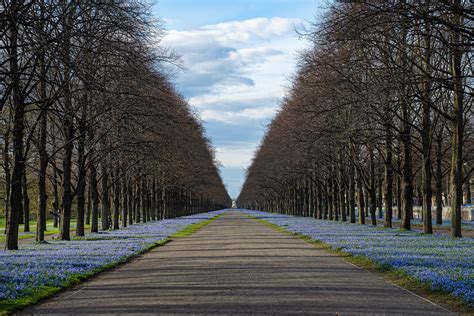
{"points": [[91, 123], [379, 114]]}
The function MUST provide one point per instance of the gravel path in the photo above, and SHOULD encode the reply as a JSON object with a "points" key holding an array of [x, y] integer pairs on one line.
{"points": [[237, 265]]}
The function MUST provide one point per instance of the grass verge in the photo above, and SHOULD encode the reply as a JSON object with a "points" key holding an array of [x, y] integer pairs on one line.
{"points": [[390, 274], [32, 233], [191, 229], [38, 294]]}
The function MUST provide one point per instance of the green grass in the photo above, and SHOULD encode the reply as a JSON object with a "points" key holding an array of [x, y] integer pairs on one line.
{"points": [[49, 226], [191, 229], [395, 276], [39, 294]]}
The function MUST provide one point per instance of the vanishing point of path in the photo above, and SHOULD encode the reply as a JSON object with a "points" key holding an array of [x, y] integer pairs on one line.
{"points": [[236, 265]]}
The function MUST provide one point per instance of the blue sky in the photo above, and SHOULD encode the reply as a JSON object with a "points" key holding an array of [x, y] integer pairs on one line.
{"points": [[238, 56]]}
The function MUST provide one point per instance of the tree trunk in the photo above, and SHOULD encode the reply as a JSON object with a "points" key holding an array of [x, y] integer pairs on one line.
{"points": [[399, 189], [130, 201], [360, 193], [89, 205], [319, 203], [407, 169], [154, 200], [105, 209], [6, 170], [372, 190], [95, 198], [439, 179], [81, 168], [388, 174], [143, 200], [67, 166], [342, 204], [457, 123], [335, 195], [26, 204], [124, 202], [42, 138], [352, 201], [56, 207], [16, 197], [137, 202], [380, 198], [117, 190], [163, 199], [330, 199], [342, 189], [43, 167], [426, 133]]}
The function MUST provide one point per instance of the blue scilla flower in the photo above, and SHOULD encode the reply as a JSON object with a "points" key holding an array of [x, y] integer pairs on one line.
{"points": [[444, 263], [53, 264]]}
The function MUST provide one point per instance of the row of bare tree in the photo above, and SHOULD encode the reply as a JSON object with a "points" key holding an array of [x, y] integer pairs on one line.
{"points": [[90, 122], [379, 113]]}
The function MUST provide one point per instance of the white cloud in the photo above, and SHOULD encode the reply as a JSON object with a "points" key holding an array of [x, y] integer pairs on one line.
{"points": [[232, 32], [252, 55], [236, 69], [236, 117], [236, 155], [235, 74]]}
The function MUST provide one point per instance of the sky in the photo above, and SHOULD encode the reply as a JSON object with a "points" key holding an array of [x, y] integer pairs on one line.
{"points": [[238, 57]]}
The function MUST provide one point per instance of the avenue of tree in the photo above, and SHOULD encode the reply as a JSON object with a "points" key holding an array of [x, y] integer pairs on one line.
{"points": [[91, 126], [379, 115]]}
